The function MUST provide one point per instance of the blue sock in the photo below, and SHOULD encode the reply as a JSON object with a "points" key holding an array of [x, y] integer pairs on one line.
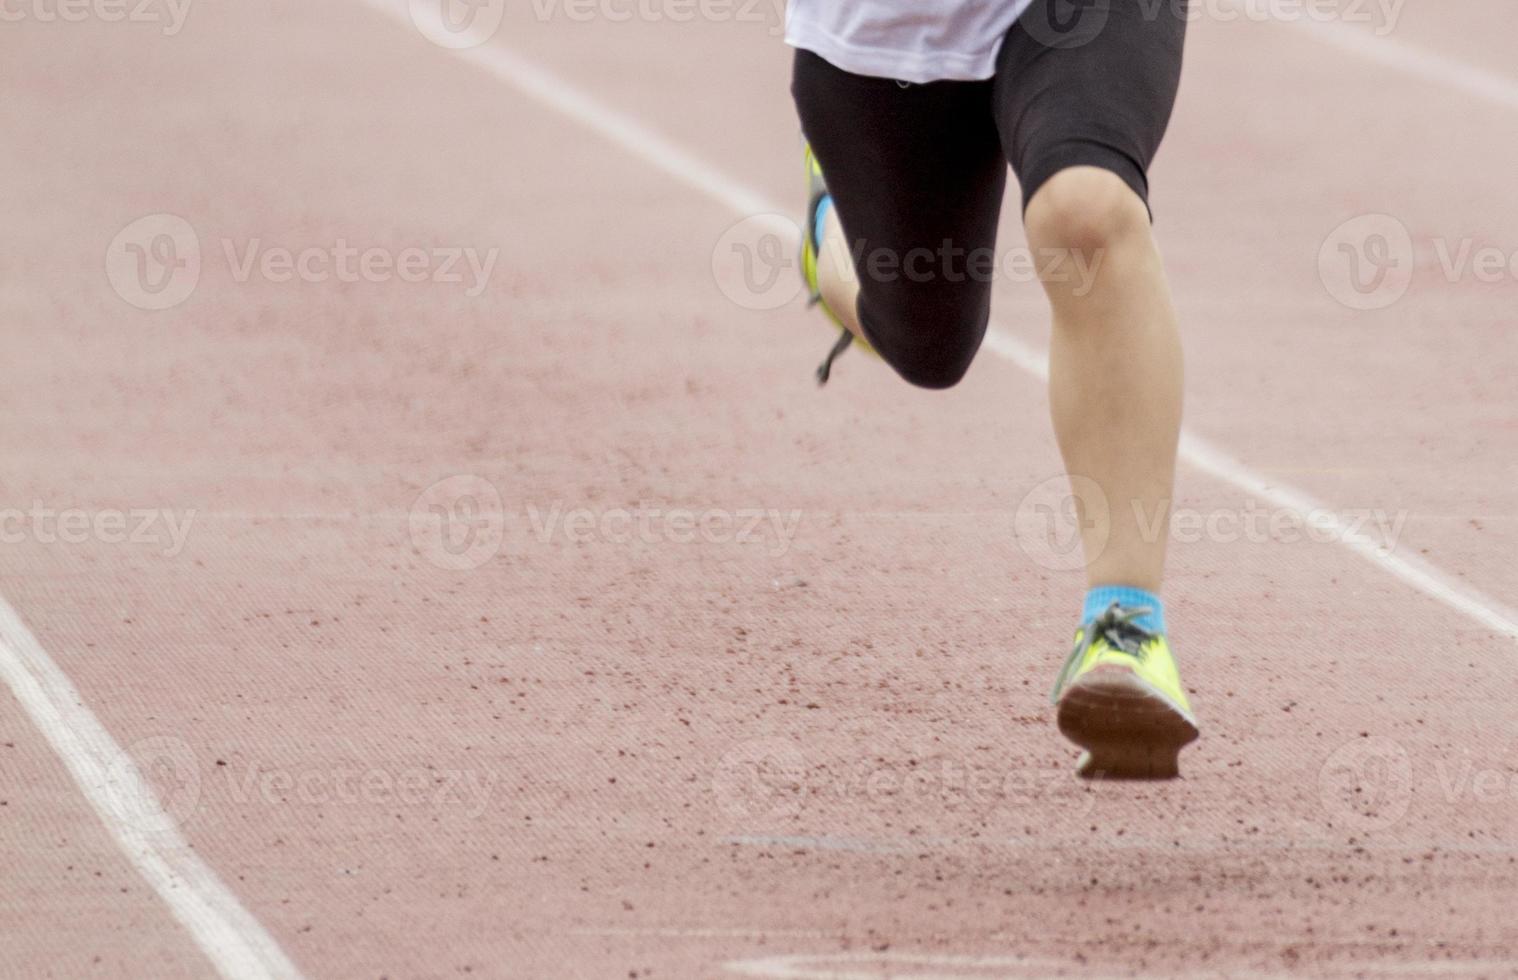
{"points": [[1099, 598], [819, 225]]}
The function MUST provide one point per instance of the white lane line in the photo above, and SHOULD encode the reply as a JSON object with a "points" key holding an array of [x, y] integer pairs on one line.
{"points": [[1421, 575], [235, 943], [663, 154], [585, 109]]}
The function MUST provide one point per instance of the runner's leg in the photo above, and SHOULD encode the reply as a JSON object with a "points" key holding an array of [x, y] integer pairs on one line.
{"points": [[1082, 112], [1114, 368], [916, 173]]}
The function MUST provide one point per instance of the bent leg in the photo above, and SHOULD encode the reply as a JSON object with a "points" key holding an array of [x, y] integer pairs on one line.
{"points": [[917, 175]]}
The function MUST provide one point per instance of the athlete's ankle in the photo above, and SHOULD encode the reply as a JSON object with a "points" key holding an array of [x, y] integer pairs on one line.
{"points": [[1100, 597]]}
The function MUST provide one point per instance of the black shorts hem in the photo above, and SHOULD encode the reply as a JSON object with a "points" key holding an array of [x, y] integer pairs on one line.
{"points": [[1083, 153]]}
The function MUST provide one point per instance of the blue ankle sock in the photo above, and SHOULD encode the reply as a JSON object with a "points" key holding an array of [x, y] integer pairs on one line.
{"points": [[1099, 598], [819, 225]]}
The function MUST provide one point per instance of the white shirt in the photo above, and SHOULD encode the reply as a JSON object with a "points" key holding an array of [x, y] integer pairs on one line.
{"points": [[908, 40]]}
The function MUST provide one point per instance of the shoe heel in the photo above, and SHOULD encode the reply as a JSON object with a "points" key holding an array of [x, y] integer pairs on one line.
{"points": [[1128, 729]]}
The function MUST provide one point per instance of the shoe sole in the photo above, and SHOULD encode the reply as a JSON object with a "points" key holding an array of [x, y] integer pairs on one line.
{"points": [[1129, 729]]}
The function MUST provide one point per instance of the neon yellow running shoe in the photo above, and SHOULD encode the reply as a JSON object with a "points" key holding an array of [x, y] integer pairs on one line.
{"points": [[817, 194], [1120, 698]]}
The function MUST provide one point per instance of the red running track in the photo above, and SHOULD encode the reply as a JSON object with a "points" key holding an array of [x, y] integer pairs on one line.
{"points": [[563, 628]]}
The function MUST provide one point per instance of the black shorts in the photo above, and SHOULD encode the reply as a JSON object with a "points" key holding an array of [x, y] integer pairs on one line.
{"points": [[917, 172]]}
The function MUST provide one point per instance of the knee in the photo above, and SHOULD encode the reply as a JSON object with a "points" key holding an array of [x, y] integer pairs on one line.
{"points": [[935, 370], [929, 342], [1085, 209]]}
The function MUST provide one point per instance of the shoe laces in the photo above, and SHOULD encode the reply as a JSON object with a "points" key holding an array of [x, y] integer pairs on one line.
{"points": [[1117, 628], [844, 342]]}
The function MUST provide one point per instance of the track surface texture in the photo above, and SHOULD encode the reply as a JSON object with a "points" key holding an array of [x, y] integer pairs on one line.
{"points": [[561, 627]]}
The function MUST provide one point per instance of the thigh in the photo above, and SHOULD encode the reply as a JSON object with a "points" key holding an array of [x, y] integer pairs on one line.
{"points": [[1089, 83], [917, 174]]}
